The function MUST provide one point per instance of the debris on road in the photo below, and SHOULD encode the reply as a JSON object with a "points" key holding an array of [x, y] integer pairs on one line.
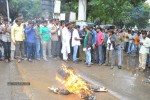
{"points": [[74, 84]]}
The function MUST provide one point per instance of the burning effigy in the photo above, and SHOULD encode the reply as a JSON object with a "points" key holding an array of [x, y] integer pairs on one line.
{"points": [[74, 84]]}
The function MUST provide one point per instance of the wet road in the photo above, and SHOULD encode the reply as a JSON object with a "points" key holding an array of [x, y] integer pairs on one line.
{"points": [[41, 75], [125, 84]]}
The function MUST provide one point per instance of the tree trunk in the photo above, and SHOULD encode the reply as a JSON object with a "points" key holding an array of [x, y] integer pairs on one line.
{"points": [[47, 8]]}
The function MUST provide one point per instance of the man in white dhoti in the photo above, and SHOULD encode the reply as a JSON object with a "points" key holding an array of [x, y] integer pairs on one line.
{"points": [[66, 35]]}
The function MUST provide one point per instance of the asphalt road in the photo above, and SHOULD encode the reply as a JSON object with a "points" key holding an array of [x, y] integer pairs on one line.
{"points": [[125, 84]]}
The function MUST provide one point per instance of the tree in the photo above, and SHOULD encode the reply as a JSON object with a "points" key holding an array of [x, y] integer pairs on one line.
{"points": [[142, 21], [29, 8], [118, 12], [69, 5]]}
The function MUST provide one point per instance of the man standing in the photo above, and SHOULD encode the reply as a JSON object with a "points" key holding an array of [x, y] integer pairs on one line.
{"points": [[50, 26], [1, 27], [6, 40], [37, 40], [144, 50], [18, 36], [66, 35], [45, 38], [93, 49], [126, 41], [88, 45], [30, 39], [1, 43], [55, 36], [110, 49], [75, 42], [136, 43], [100, 40], [117, 49], [131, 40], [105, 44]]}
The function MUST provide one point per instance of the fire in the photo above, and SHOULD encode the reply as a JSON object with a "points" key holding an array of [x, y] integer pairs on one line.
{"points": [[73, 83]]}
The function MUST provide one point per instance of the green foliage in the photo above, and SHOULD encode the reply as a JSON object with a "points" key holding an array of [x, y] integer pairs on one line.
{"points": [[118, 12], [141, 22], [29, 8], [69, 5]]}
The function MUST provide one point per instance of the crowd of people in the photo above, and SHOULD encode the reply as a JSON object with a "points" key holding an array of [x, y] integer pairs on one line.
{"points": [[39, 39]]}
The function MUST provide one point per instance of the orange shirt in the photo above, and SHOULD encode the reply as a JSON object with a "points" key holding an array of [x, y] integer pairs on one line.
{"points": [[137, 40]]}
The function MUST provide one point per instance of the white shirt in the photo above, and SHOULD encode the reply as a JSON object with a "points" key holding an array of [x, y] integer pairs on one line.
{"points": [[75, 34], [50, 26], [109, 44], [66, 35], [144, 49], [131, 37]]}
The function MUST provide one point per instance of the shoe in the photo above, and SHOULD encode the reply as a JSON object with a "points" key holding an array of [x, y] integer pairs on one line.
{"points": [[105, 64], [58, 58], [89, 65], [49, 56], [112, 67], [55, 58], [45, 59], [92, 63], [19, 60], [29, 60], [24, 59], [141, 70], [6, 60], [119, 67], [86, 63], [9, 60], [75, 62], [100, 64], [38, 59], [66, 61]]}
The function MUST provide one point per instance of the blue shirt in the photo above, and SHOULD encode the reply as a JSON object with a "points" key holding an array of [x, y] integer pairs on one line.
{"points": [[94, 38], [30, 34]]}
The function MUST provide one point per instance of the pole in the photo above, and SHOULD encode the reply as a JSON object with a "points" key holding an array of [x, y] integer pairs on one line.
{"points": [[7, 10], [82, 13], [82, 10]]}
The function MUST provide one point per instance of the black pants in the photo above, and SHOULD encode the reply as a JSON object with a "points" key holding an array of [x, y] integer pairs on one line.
{"points": [[126, 46], [93, 54], [7, 50], [104, 53], [55, 47]]}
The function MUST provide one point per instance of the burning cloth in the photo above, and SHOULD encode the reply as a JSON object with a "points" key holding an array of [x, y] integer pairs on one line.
{"points": [[74, 84]]}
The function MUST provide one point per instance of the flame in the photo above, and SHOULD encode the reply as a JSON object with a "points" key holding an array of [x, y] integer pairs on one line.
{"points": [[73, 83]]}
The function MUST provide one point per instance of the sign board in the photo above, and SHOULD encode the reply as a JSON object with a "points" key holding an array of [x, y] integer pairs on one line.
{"points": [[62, 16], [57, 6], [72, 17]]}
